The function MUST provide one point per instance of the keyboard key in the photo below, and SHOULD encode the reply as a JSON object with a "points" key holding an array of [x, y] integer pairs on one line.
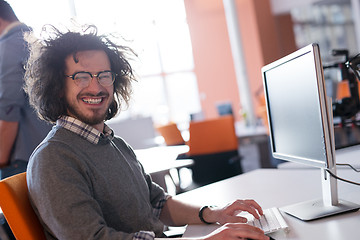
{"points": [[271, 221]]}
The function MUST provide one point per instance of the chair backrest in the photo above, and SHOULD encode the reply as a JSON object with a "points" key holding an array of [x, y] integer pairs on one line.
{"points": [[343, 90], [212, 136], [15, 204], [171, 134]]}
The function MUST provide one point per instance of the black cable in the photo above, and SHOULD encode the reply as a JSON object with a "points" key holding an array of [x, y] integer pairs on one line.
{"points": [[346, 164], [342, 179]]}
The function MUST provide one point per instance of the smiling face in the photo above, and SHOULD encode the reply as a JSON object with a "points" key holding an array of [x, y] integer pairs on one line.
{"points": [[88, 104]]}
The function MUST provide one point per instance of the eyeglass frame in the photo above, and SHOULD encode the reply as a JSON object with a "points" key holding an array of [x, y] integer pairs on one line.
{"points": [[114, 75]]}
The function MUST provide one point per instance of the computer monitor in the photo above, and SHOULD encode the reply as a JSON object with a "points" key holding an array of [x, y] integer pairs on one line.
{"points": [[224, 108], [301, 128]]}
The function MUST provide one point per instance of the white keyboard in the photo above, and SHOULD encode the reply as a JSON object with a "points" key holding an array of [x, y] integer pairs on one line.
{"points": [[271, 221]]}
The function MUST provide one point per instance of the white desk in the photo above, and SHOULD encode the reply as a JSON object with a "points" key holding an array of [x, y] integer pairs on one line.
{"points": [[275, 187]]}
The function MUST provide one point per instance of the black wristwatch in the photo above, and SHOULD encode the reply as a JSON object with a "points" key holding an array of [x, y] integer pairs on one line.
{"points": [[201, 214]]}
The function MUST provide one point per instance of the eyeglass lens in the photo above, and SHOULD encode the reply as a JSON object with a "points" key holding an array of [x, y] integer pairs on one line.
{"points": [[83, 79]]}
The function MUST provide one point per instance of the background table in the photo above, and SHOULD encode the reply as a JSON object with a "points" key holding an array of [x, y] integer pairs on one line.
{"points": [[159, 161]]}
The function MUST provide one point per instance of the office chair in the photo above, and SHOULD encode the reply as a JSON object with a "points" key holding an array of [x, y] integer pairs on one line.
{"points": [[343, 90], [15, 204], [171, 134], [213, 145]]}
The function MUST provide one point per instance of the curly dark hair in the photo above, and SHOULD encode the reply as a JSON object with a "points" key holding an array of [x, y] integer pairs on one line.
{"points": [[45, 70]]}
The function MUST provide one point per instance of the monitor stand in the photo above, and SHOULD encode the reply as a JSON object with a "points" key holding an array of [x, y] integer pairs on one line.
{"points": [[327, 206]]}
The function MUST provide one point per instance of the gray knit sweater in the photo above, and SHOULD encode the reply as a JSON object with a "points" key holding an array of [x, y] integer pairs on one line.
{"points": [[82, 190]]}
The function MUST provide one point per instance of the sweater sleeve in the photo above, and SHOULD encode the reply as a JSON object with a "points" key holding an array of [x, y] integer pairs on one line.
{"points": [[61, 194]]}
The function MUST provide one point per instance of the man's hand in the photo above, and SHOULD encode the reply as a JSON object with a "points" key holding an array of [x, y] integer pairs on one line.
{"points": [[236, 231], [228, 214]]}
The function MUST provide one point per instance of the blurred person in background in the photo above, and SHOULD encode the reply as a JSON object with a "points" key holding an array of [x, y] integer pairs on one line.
{"points": [[20, 128]]}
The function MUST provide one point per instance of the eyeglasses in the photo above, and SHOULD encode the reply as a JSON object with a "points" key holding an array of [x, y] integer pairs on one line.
{"points": [[83, 79]]}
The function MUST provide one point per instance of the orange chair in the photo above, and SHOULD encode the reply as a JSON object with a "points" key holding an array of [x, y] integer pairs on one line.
{"points": [[213, 145], [15, 204], [343, 90], [171, 134]]}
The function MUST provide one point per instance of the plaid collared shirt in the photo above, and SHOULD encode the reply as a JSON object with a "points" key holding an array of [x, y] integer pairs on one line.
{"points": [[84, 130], [93, 135]]}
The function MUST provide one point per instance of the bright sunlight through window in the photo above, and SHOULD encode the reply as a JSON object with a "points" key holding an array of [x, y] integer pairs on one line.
{"points": [[156, 29]]}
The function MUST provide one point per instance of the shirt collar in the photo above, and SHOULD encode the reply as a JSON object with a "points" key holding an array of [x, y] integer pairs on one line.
{"points": [[9, 27], [84, 130]]}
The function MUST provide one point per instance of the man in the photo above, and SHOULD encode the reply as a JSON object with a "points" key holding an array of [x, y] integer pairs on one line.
{"points": [[84, 182], [20, 129]]}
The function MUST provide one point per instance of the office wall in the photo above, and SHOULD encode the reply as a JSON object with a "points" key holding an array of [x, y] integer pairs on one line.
{"points": [[212, 54], [265, 38], [286, 36]]}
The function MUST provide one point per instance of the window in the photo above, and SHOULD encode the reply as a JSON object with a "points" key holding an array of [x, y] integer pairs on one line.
{"points": [[156, 29], [329, 24]]}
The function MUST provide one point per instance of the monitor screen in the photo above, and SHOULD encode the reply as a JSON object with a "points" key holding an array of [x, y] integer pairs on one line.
{"points": [[297, 108]]}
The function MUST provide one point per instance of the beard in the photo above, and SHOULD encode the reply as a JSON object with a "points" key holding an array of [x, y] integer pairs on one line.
{"points": [[97, 115], [96, 118]]}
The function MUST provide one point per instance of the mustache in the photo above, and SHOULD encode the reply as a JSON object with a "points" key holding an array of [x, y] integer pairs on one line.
{"points": [[100, 94]]}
